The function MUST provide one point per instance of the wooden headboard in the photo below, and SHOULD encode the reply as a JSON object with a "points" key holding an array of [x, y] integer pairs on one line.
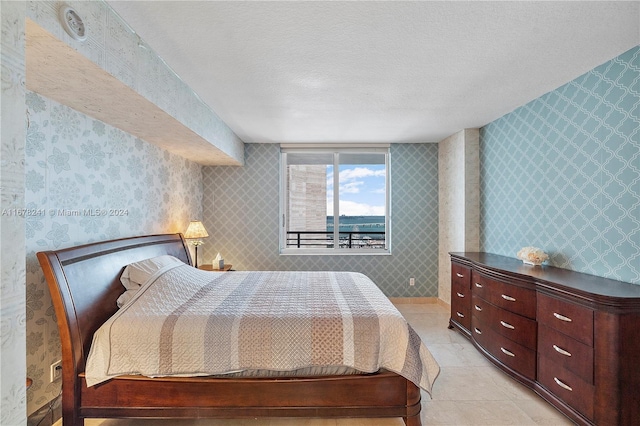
{"points": [[84, 282]]}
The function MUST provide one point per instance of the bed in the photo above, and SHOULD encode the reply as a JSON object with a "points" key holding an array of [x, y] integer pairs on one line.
{"points": [[85, 283]]}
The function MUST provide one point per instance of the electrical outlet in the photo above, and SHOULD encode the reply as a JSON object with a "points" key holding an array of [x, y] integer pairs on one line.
{"points": [[55, 371], [412, 281]]}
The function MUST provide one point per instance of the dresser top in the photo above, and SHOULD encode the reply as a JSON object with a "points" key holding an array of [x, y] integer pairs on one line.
{"points": [[552, 277]]}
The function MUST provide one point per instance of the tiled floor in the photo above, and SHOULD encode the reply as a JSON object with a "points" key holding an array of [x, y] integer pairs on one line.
{"points": [[469, 390]]}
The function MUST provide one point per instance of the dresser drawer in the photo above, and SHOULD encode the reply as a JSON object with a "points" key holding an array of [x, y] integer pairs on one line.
{"points": [[568, 318], [461, 290], [520, 329], [461, 304], [566, 352], [460, 275], [511, 354], [510, 297], [566, 386], [462, 316]]}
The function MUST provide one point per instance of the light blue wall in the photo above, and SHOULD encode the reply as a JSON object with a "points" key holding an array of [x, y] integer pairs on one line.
{"points": [[87, 181], [241, 214], [563, 173]]}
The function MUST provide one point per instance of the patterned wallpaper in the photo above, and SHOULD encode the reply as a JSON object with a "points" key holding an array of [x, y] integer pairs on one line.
{"points": [[563, 173], [87, 181], [240, 212], [12, 263]]}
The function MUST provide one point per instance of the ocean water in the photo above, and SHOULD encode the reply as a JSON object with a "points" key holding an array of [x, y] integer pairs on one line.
{"points": [[359, 224], [365, 232]]}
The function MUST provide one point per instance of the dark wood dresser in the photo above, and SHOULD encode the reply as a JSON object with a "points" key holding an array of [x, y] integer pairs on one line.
{"points": [[571, 337]]}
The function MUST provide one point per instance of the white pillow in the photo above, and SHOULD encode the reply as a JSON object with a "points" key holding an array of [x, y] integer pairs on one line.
{"points": [[135, 275], [125, 297]]}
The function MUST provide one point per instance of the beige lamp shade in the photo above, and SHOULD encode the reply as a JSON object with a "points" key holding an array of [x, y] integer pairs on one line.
{"points": [[196, 230]]}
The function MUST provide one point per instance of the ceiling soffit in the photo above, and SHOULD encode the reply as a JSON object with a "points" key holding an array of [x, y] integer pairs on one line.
{"points": [[59, 72]]}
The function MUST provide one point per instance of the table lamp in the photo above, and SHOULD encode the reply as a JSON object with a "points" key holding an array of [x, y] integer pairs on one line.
{"points": [[195, 231]]}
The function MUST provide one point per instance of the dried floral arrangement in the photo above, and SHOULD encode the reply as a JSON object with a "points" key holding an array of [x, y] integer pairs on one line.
{"points": [[532, 255]]}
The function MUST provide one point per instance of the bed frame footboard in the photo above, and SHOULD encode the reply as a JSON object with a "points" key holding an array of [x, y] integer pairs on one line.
{"points": [[383, 394]]}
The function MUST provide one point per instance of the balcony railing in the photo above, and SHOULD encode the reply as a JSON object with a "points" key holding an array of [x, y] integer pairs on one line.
{"points": [[324, 239]]}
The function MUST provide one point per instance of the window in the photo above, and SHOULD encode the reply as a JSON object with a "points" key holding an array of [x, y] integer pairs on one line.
{"points": [[334, 200]]}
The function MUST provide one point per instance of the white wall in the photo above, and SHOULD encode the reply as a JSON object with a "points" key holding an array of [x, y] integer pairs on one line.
{"points": [[12, 241], [459, 202]]}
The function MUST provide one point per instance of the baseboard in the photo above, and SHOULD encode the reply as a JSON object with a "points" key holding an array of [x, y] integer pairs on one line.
{"points": [[444, 304], [48, 415]]}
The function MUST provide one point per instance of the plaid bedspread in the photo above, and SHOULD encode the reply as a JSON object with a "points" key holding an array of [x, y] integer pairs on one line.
{"points": [[193, 323]]}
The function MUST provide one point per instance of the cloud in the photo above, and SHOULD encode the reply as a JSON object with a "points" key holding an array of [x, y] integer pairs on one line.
{"points": [[359, 173], [355, 174], [351, 179], [358, 180], [352, 208], [351, 187]]}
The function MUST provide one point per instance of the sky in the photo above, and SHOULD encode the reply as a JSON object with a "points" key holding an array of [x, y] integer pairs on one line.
{"points": [[362, 190]]}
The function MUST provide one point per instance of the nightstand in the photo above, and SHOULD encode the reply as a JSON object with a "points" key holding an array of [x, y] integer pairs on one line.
{"points": [[209, 267]]}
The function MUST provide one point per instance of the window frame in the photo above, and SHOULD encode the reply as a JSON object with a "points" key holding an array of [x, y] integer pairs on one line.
{"points": [[336, 150]]}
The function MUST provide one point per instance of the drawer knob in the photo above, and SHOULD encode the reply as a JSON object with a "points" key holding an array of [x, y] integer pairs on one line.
{"points": [[562, 317], [460, 315], [509, 298], [477, 331], [506, 352], [507, 325], [562, 351], [460, 294], [459, 275], [478, 285], [478, 308], [562, 385]]}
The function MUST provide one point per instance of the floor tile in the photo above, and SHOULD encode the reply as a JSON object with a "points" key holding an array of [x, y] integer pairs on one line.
{"points": [[466, 384], [543, 413], [421, 308], [457, 355], [462, 413], [370, 422]]}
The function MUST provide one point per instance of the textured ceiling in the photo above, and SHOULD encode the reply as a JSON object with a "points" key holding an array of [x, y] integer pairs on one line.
{"points": [[377, 71]]}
